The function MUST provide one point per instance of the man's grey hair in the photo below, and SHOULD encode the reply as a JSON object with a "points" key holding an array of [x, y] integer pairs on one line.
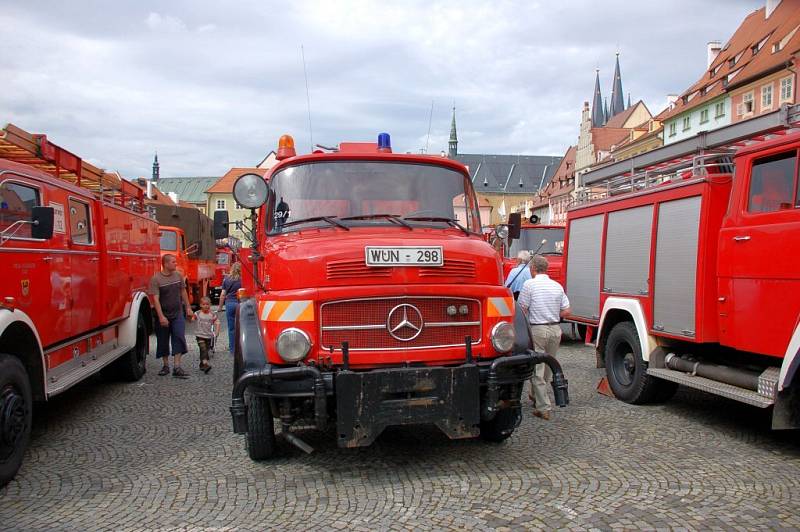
{"points": [[539, 264], [523, 256]]}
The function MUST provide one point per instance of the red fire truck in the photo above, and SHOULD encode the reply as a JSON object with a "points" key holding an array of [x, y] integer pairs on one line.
{"points": [[77, 252], [684, 267], [372, 305], [530, 238], [227, 255], [187, 233]]}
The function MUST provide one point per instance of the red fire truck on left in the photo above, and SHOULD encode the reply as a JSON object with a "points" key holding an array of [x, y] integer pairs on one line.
{"points": [[76, 252]]}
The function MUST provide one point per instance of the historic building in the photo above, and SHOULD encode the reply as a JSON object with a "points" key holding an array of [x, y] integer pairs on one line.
{"points": [[503, 183], [190, 190], [754, 73], [220, 198]]}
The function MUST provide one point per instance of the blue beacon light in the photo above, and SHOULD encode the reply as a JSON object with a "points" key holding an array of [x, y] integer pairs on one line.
{"points": [[384, 142]]}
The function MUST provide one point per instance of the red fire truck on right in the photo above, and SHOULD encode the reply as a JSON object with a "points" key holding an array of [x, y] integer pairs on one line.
{"points": [[684, 267]]}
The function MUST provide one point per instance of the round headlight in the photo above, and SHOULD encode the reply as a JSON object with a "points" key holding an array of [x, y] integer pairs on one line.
{"points": [[501, 231], [293, 345], [503, 337], [250, 191], [451, 310]]}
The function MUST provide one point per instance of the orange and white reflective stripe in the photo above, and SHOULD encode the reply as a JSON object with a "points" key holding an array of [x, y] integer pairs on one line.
{"points": [[286, 310], [500, 306]]}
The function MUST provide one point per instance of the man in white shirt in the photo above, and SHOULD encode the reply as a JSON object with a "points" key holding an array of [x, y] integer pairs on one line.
{"points": [[544, 303]]}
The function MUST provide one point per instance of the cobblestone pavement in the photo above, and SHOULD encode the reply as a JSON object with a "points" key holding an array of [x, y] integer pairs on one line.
{"points": [[160, 454]]}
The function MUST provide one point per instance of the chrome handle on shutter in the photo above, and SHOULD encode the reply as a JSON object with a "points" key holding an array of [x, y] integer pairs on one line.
{"points": [[94, 259], [742, 238]]}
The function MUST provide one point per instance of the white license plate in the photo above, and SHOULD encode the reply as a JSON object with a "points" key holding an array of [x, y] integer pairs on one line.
{"points": [[404, 256]]}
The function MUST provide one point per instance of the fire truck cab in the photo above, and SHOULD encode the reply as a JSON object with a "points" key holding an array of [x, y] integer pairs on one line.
{"points": [[372, 305], [75, 264], [685, 270]]}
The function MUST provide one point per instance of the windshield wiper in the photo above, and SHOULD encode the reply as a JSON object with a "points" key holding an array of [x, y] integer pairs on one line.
{"points": [[449, 221], [330, 219], [394, 218]]}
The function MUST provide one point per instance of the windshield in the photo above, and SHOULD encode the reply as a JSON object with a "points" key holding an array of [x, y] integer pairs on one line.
{"points": [[169, 241], [222, 258], [358, 193], [531, 238]]}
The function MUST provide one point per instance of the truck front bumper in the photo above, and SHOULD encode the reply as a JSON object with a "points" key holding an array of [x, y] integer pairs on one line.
{"points": [[454, 398]]}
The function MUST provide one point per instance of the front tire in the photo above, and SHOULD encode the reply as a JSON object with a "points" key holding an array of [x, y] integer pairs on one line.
{"points": [[260, 437], [502, 426], [627, 370], [132, 365], [16, 415]]}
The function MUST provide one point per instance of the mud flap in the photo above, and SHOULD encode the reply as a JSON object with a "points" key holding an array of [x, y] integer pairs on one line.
{"points": [[368, 402]]}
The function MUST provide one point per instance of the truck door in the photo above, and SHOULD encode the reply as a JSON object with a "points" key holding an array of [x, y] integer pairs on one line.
{"points": [[758, 249], [34, 272], [85, 267]]}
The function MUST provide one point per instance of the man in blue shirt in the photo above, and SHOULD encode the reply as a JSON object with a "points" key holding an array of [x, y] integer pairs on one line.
{"points": [[514, 281]]}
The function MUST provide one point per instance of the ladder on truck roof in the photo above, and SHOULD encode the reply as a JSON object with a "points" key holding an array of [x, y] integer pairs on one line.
{"points": [[708, 152], [35, 150]]}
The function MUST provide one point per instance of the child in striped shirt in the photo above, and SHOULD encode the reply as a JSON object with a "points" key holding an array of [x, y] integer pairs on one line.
{"points": [[207, 330]]}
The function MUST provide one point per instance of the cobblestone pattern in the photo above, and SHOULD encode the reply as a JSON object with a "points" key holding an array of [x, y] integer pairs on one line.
{"points": [[160, 454]]}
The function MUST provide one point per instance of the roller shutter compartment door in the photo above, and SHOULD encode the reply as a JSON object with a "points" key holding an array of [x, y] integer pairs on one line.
{"points": [[628, 251], [583, 266], [676, 266]]}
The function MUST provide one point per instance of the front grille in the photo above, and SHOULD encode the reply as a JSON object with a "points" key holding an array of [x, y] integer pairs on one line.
{"points": [[451, 268], [362, 323], [345, 269]]}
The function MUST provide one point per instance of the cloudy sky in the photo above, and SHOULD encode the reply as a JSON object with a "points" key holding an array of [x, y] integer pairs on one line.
{"points": [[212, 87]]}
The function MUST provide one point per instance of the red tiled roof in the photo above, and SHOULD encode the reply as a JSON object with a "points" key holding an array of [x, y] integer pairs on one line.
{"points": [[558, 184], [754, 29], [225, 183], [605, 137]]}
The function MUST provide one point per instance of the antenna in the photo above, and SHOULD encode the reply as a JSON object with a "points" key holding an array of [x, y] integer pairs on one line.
{"points": [[430, 120], [308, 99]]}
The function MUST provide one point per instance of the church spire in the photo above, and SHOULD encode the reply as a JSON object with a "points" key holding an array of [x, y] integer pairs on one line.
{"points": [[617, 99], [606, 116], [597, 102], [155, 168], [453, 143]]}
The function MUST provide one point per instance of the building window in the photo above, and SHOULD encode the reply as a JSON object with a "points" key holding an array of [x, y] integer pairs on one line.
{"points": [[687, 123], [719, 109], [673, 129], [704, 116], [746, 106], [220, 204], [766, 96], [786, 89], [238, 207]]}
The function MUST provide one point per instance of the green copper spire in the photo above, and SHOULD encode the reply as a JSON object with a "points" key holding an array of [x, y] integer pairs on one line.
{"points": [[453, 143]]}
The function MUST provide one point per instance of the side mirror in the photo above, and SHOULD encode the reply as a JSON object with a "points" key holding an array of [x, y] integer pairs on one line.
{"points": [[42, 220], [514, 224], [220, 224]]}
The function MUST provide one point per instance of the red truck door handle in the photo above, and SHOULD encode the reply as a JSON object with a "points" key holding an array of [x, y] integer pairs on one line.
{"points": [[743, 238]]}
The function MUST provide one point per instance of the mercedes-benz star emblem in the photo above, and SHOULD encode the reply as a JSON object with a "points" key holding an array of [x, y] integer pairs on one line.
{"points": [[404, 322]]}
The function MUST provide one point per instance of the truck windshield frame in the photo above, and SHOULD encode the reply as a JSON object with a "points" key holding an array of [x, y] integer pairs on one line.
{"points": [[531, 238], [364, 193]]}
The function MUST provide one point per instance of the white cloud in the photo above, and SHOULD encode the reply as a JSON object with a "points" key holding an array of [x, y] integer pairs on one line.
{"points": [[157, 22]]}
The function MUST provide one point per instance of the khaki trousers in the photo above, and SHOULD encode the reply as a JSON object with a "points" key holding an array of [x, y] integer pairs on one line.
{"points": [[546, 339]]}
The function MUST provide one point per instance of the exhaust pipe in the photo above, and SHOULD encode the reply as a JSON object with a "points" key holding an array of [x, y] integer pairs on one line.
{"points": [[726, 374]]}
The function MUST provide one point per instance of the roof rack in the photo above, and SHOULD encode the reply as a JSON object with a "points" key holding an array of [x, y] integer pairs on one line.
{"points": [[35, 150]]}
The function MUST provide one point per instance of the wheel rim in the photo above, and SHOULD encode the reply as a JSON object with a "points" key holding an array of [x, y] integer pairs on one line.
{"points": [[13, 420], [623, 364]]}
